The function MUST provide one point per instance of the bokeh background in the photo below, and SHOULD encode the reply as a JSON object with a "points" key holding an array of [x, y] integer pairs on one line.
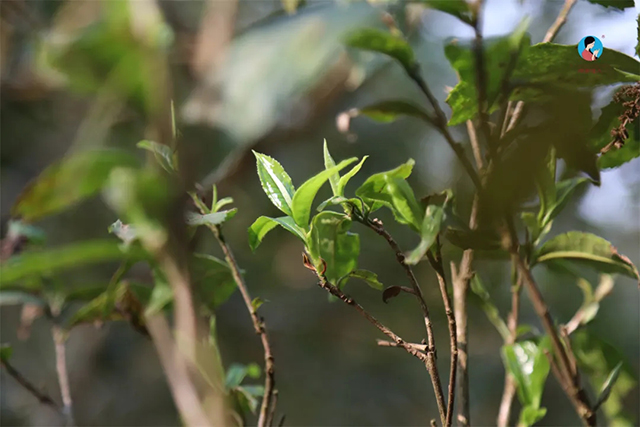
{"points": [[285, 80]]}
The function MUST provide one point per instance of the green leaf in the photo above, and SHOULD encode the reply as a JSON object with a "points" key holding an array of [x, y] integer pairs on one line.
{"points": [[54, 260], [330, 240], [212, 278], [17, 229], [589, 249], [481, 297], [276, 183], [618, 156], [328, 164], [391, 190], [529, 365], [5, 352], [264, 224], [390, 111], [383, 42], [605, 392], [458, 8], [618, 4], [163, 153], [304, 196], [546, 184], [596, 359], [344, 180], [368, 276], [530, 415], [237, 373], [161, 295], [564, 189], [67, 182], [559, 66], [125, 232], [214, 218], [257, 303], [487, 240], [429, 231], [501, 55]]}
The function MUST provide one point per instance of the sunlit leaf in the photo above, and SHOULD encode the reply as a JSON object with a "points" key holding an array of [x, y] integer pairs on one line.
{"points": [[331, 242], [264, 224], [276, 183], [67, 182], [214, 218], [344, 180], [589, 249], [329, 163], [304, 196]]}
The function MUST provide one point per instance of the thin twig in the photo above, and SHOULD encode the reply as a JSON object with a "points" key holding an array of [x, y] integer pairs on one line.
{"points": [[551, 34], [376, 225], [59, 339], [509, 382], [324, 284], [440, 123], [419, 347], [20, 379], [259, 326], [473, 139], [436, 263], [272, 409]]}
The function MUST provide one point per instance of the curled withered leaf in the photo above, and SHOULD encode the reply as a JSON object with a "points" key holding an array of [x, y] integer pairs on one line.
{"points": [[390, 292], [307, 262]]}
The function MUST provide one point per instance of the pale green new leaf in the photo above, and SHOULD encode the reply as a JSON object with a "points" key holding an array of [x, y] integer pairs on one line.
{"points": [[276, 183], [344, 180], [328, 164], [264, 224], [163, 153], [331, 241], [214, 218], [303, 197]]}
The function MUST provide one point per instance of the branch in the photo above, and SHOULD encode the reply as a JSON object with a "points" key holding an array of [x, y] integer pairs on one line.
{"points": [[20, 379], [565, 366], [436, 263], [419, 347], [376, 225], [551, 34], [509, 382], [440, 123], [267, 409], [59, 340]]}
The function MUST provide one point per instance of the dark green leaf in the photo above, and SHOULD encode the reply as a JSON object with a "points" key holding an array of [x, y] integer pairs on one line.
{"points": [[474, 239], [67, 182], [71, 256], [500, 54], [304, 196], [385, 43], [458, 8], [276, 183], [163, 153], [546, 183], [212, 278], [5, 352], [618, 156], [264, 224], [344, 180], [618, 4], [328, 164], [331, 241], [214, 218], [428, 232], [368, 276], [390, 111], [564, 190], [586, 248], [560, 65]]}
